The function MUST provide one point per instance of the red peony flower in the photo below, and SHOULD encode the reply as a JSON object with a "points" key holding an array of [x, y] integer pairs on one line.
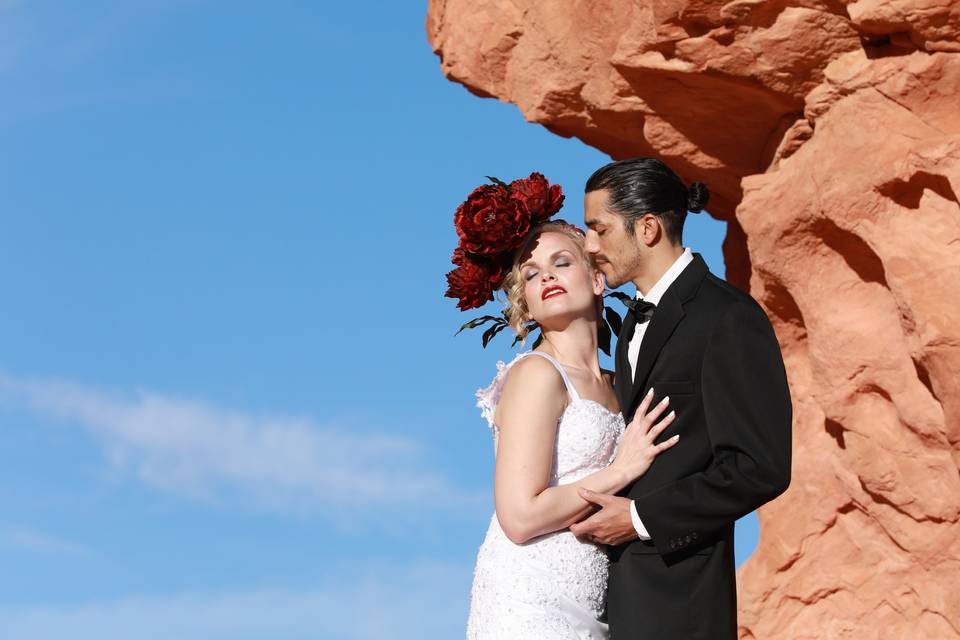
{"points": [[475, 278], [497, 268], [539, 198], [490, 221], [470, 284]]}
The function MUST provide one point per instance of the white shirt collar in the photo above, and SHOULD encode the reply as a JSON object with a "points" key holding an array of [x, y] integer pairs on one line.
{"points": [[656, 292]]}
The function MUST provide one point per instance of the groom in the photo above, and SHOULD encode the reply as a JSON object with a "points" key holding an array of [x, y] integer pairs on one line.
{"points": [[711, 349]]}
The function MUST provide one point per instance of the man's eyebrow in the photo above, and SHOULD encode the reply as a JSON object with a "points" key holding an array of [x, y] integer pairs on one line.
{"points": [[552, 256], [592, 222]]}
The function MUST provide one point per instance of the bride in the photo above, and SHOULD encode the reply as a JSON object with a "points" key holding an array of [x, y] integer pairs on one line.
{"points": [[556, 428]]}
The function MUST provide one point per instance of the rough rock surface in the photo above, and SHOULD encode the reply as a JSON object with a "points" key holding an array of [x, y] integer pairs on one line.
{"points": [[829, 132]]}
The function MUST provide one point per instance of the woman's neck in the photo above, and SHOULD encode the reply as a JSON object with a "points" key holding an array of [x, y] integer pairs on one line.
{"points": [[575, 345]]}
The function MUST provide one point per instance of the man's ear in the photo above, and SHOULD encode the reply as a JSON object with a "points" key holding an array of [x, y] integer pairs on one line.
{"points": [[648, 228]]}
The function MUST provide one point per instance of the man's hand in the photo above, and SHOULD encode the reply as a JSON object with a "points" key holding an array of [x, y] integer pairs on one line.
{"points": [[610, 525]]}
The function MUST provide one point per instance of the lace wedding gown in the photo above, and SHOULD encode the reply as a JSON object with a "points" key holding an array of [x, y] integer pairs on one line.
{"points": [[554, 586]]}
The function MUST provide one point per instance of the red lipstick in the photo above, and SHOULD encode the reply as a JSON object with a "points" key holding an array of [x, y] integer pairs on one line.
{"points": [[551, 291]]}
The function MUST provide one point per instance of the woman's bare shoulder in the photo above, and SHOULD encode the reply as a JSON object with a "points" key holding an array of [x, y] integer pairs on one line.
{"points": [[533, 383], [533, 374]]}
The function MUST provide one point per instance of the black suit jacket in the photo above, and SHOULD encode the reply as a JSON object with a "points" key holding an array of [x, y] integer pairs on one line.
{"points": [[711, 348]]}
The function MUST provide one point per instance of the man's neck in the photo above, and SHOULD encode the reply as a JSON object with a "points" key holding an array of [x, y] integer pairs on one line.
{"points": [[658, 265]]}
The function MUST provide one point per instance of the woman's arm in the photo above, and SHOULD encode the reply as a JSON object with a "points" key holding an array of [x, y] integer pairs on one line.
{"points": [[533, 399]]}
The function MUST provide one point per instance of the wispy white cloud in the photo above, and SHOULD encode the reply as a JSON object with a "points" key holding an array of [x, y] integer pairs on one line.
{"points": [[19, 538], [416, 603], [77, 36], [11, 37], [47, 56], [202, 451], [105, 30]]}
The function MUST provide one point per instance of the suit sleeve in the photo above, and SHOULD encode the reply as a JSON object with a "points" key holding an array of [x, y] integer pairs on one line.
{"points": [[747, 409]]}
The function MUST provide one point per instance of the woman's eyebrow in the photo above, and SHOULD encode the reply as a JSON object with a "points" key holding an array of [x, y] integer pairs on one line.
{"points": [[552, 256]]}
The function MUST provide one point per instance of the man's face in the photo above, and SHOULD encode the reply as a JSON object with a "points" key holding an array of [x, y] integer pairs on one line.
{"points": [[618, 253]]}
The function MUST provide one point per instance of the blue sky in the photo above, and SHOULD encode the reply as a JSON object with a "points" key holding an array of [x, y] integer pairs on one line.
{"points": [[231, 401]]}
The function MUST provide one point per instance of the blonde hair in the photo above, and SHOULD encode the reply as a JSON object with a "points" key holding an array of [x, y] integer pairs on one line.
{"points": [[516, 310]]}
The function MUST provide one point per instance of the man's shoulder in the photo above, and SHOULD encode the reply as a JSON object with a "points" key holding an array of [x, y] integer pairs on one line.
{"points": [[718, 291], [723, 299]]}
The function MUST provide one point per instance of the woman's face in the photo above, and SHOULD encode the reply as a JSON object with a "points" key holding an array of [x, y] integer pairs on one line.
{"points": [[558, 284]]}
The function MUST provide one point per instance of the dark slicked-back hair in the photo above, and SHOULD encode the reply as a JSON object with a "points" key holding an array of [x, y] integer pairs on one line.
{"points": [[639, 186]]}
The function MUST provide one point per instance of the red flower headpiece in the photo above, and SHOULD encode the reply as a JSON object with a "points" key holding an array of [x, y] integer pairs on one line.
{"points": [[492, 223]]}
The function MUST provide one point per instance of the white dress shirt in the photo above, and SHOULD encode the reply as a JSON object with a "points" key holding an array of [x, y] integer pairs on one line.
{"points": [[633, 349]]}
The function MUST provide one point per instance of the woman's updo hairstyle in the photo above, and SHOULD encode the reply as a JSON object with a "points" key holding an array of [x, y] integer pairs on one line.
{"points": [[639, 186], [516, 310]]}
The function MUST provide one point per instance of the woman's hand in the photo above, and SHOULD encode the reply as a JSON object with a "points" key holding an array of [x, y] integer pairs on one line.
{"points": [[637, 450]]}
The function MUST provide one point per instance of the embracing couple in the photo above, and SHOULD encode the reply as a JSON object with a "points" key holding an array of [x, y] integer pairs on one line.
{"points": [[616, 492]]}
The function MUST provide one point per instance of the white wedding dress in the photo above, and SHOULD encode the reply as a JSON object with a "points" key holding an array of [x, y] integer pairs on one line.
{"points": [[552, 587]]}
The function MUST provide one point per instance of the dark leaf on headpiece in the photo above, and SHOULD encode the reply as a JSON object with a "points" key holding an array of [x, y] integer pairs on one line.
{"points": [[536, 343], [619, 295], [516, 339], [492, 331], [476, 322], [603, 337], [498, 182], [614, 319]]}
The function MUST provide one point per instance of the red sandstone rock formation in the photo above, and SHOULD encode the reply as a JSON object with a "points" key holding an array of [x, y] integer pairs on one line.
{"points": [[829, 132]]}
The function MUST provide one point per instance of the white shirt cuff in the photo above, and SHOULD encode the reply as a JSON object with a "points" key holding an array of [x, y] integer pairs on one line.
{"points": [[635, 519]]}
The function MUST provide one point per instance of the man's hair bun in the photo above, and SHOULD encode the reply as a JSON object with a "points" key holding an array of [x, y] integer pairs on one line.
{"points": [[697, 196]]}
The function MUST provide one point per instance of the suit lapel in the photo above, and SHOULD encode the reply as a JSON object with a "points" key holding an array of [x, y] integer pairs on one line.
{"points": [[665, 319], [622, 382]]}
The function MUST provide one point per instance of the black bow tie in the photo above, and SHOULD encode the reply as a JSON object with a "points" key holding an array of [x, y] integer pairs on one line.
{"points": [[641, 309]]}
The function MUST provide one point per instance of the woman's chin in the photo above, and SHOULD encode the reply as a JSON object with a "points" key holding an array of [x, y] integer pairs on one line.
{"points": [[558, 317]]}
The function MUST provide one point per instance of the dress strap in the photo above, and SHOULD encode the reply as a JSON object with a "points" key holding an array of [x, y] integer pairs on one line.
{"points": [[563, 374]]}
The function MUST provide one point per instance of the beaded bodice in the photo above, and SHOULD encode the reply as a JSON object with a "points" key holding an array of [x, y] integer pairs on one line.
{"points": [[558, 575]]}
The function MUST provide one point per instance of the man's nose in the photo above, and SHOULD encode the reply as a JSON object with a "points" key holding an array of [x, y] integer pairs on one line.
{"points": [[590, 245]]}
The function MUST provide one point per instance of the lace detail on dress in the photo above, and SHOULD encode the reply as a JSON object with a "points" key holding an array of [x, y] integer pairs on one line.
{"points": [[489, 396], [553, 587]]}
